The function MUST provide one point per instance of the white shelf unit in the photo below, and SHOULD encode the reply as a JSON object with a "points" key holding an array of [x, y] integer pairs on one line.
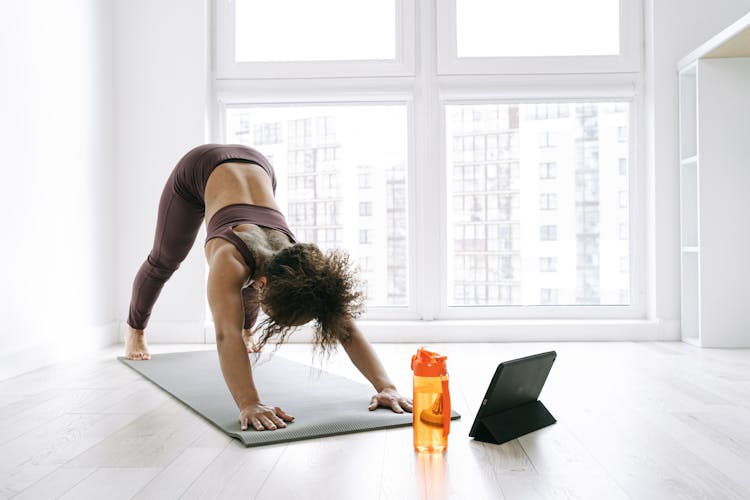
{"points": [[714, 102]]}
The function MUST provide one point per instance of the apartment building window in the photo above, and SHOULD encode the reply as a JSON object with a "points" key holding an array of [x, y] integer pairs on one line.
{"points": [[548, 264], [547, 201], [546, 111], [365, 180], [366, 263], [266, 133], [546, 139], [547, 170], [548, 233], [365, 236], [365, 208], [548, 296]]}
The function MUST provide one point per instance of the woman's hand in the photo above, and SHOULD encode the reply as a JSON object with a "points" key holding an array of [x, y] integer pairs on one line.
{"points": [[390, 398], [262, 417]]}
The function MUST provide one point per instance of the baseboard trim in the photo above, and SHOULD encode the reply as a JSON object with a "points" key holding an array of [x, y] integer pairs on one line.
{"points": [[58, 349], [521, 331]]}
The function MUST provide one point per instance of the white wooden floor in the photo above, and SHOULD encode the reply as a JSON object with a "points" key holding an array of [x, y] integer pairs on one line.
{"points": [[635, 420]]}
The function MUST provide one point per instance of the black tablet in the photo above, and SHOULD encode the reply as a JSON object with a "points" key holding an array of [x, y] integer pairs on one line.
{"points": [[515, 384]]}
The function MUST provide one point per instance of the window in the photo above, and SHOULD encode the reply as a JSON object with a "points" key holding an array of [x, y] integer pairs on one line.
{"points": [[365, 236], [365, 180], [547, 264], [548, 296], [548, 233], [587, 221], [438, 184], [516, 29], [575, 217], [547, 201], [304, 39], [316, 148], [266, 133], [546, 140], [538, 36], [366, 263], [546, 111], [365, 208], [547, 170], [370, 32]]}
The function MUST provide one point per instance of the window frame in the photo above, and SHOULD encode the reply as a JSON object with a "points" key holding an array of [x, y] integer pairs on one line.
{"points": [[227, 68], [305, 94], [636, 206], [629, 60], [426, 92]]}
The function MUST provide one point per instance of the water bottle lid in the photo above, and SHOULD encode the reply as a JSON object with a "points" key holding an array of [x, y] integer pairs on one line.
{"points": [[428, 364]]}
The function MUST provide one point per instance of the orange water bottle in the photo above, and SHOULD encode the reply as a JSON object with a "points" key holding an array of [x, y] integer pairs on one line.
{"points": [[432, 402]]}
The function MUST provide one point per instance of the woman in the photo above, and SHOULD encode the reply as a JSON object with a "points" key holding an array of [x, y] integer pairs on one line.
{"points": [[254, 262]]}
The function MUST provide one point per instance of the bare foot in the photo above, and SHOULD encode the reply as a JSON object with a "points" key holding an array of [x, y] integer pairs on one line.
{"points": [[135, 345], [251, 340]]}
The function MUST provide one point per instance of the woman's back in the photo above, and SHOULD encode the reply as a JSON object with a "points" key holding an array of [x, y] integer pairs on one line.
{"points": [[238, 182]]}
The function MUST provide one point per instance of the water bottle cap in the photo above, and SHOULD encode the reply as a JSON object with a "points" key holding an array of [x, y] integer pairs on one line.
{"points": [[428, 364]]}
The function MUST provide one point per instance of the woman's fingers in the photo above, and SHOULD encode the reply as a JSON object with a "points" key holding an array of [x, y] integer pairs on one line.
{"points": [[396, 402], [396, 407], [267, 423], [278, 422], [281, 413], [262, 417]]}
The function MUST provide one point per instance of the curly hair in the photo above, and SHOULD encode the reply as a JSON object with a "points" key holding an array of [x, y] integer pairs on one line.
{"points": [[304, 284]]}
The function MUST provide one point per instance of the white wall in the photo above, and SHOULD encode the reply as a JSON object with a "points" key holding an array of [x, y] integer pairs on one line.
{"points": [[161, 89], [673, 29], [56, 208]]}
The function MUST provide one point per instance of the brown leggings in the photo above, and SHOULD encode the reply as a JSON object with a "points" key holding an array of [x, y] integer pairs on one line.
{"points": [[177, 226]]}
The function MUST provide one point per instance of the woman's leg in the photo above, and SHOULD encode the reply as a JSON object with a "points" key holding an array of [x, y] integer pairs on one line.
{"points": [[177, 226]]}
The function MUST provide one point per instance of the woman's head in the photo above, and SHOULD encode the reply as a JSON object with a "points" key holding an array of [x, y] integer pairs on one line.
{"points": [[305, 284]]}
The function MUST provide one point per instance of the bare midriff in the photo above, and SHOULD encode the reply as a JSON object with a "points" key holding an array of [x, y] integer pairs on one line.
{"points": [[237, 182]]}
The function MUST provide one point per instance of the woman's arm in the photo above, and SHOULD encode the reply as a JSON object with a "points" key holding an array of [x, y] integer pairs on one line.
{"points": [[225, 280], [364, 358]]}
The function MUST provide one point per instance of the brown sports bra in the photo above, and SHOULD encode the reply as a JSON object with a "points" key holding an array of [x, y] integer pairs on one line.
{"points": [[222, 222]]}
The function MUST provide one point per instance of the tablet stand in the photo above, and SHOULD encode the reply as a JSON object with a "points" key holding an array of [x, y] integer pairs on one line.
{"points": [[510, 424]]}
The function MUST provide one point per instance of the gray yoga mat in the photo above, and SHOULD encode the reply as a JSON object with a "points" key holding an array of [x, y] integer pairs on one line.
{"points": [[322, 404]]}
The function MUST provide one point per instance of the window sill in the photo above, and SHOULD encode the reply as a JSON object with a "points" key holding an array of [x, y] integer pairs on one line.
{"points": [[531, 330]]}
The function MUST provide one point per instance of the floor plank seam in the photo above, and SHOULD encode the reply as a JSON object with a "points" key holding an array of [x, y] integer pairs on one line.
{"points": [[270, 471], [207, 467], [93, 471], [382, 464]]}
